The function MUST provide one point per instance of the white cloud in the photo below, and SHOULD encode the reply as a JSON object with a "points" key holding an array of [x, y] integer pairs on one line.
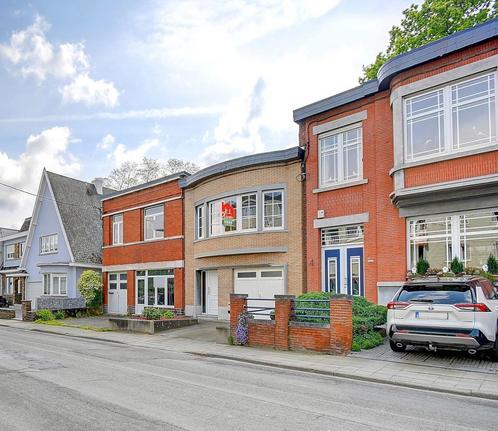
{"points": [[30, 53], [49, 149], [86, 90], [119, 153]]}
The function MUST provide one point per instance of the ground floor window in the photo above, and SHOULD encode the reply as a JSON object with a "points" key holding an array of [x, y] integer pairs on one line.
{"points": [[54, 284], [156, 288], [471, 237]]}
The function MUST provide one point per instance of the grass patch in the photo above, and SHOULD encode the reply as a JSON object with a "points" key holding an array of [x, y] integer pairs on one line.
{"points": [[68, 325]]}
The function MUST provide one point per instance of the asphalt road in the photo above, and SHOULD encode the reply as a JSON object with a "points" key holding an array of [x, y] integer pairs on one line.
{"points": [[54, 382]]}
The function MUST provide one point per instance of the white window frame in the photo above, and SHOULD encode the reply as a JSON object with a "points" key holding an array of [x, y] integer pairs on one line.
{"points": [[448, 146], [340, 156], [49, 244], [50, 277], [238, 215], [10, 255], [263, 207], [145, 279], [153, 217], [200, 221], [117, 229]]}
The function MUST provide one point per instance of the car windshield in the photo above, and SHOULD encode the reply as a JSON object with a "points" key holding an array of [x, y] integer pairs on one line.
{"points": [[436, 294]]}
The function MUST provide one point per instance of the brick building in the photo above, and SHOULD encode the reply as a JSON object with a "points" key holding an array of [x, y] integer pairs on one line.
{"points": [[143, 247], [243, 231], [404, 167]]}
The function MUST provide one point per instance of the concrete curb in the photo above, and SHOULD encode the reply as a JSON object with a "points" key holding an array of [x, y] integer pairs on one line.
{"points": [[467, 393]]}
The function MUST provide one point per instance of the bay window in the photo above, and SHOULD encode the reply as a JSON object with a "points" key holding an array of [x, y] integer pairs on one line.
{"points": [[471, 237], [156, 288], [341, 156], [154, 222], [453, 118], [225, 218], [117, 229], [55, 284]]}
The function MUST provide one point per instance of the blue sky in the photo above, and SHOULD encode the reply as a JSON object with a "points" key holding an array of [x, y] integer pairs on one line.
{"points": [[87, 85]]}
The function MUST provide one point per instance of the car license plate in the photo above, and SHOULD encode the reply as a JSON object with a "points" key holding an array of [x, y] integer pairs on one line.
{"points": [[431, 315]]}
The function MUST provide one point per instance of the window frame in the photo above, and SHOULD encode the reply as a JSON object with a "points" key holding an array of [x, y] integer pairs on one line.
{"points": [[50, 277], [153, 216], [263, 208], [238, 215], [448, 122], [12, 255], [145, 276], [50, 237], [340, 156], [200, 221], [120, 226]]}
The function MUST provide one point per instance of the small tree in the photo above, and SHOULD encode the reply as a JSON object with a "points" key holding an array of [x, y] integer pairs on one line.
{"points": [[492, 264], [422, 267], [456, 266], [90, 287]]}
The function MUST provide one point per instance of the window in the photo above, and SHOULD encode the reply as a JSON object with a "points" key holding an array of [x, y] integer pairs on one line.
{"points": [[117, 229], [49, 244], [471, 237], [450, 119], [249, 274], [54, 284], [14, 251], [199, 220], [273, 210], [272, 274], [224, 217], [154, 222], [156, 288], [118, 281], [342, 235], [341, 156]]}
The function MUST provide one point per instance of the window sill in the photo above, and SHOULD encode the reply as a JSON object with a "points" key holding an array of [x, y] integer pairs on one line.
{"points": [[254, 232], [49, 253], [147, 241], [340, 186], [444, 157]]}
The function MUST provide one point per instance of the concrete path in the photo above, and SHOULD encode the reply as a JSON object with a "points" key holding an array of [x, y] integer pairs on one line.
{"points": [[186, 340], [58, 383]]}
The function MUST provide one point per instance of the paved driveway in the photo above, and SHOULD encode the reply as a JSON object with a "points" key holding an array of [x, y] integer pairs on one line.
{"points": [[420, 356]]}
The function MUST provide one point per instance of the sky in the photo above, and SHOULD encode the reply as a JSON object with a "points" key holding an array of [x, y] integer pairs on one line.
{"points": [[86, 86]]}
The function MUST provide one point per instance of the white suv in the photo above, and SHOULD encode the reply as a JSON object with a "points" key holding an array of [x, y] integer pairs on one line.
{"points": [[448, 313]]}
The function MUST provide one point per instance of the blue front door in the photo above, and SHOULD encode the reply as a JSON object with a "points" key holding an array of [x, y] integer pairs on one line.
{"points": [[333, 270], [343, 271]]}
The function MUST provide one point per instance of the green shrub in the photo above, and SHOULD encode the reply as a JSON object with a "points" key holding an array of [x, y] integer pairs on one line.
{"points": [[456, 266], [44, 315], [59, 315], [231, 340], [365, 317], [151, 313], [90, 287], [492, 264], [422, 267]]}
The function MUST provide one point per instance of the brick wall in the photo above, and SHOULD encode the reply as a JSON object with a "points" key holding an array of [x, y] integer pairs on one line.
{"points": [[284, 334]]}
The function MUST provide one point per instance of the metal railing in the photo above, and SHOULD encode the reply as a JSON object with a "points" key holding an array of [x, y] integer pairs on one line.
{"points": [[261, 311], [311, 311]]}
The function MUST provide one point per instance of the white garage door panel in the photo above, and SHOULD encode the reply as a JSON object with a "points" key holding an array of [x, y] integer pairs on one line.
{"points": [[260, 283]]}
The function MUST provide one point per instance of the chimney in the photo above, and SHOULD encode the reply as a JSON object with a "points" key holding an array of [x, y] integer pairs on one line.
{"points": [[98, 183]]}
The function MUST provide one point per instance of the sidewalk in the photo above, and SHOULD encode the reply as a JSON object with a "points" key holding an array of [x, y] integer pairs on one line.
{"points": [[469, 383]]}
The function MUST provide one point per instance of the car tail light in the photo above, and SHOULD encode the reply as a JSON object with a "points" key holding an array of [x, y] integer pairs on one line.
{"points": [[397, 305], [473, 307]]}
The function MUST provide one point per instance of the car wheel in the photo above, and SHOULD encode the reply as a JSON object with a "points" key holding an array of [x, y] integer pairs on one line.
{"points": [[397, 348]]}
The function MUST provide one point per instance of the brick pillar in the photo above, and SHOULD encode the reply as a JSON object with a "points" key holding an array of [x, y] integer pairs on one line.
{"points": [[238, 304], [341, 324], [25, 309], [283, 309]]}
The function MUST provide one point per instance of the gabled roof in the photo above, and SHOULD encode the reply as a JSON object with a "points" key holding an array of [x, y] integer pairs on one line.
{"points": [[79, 207], [25, 224], [5, 231], [415, 57], [288, 154]]}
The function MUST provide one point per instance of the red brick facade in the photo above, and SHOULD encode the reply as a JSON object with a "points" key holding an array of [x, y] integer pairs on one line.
{"points": [[137, 254], [385, 237]]}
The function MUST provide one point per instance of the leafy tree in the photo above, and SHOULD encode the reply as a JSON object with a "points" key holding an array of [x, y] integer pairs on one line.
{"points": [[90, 287], [431, 20], [130, 174]]}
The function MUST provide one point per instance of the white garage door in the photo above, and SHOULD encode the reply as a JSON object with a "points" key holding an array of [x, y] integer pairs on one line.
{"points": [[260, 283]]}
